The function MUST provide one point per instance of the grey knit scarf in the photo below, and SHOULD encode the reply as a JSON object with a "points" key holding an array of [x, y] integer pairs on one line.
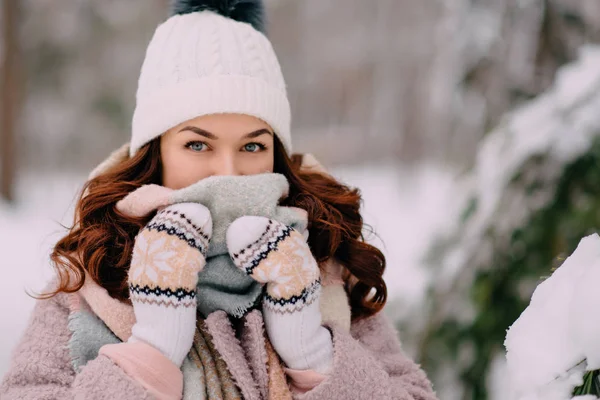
{"points": [[221, 285]]}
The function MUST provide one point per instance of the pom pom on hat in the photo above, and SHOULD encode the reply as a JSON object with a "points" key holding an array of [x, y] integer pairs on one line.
{"points": [[250, 11]]}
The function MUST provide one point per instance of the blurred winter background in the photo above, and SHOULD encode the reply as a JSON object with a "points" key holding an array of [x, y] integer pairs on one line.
{"points": [[472, 128]]}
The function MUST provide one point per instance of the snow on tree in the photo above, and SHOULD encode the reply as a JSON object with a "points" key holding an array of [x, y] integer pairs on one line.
{"points": [[534, 192], [555, 340]]}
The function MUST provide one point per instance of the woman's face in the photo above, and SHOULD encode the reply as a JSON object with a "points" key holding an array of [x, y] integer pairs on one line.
{"points": [[219, 144]]}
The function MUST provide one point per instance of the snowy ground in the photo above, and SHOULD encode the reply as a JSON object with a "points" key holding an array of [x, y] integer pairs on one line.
{"points": [[27, 233], [404, 207]]}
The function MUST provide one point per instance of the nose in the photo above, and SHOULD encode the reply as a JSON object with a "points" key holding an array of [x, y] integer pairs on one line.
{"points": [[225, 164]]}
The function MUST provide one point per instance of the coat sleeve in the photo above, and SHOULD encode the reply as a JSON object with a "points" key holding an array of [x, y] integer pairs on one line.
{"points": [[368, 363], [41, 367]]}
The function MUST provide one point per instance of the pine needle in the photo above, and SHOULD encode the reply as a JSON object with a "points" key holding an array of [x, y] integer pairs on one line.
{"points": [[591, 384]]}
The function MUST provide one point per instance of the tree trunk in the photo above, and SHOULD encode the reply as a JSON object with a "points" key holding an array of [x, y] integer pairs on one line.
{"points": [[10, 98]]}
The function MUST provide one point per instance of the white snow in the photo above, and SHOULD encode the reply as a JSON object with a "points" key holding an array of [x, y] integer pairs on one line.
{"points": [[583, 325], [27, 233], [549, 342], [559, 124], [406, 208], [559, 389], [554, 128]]}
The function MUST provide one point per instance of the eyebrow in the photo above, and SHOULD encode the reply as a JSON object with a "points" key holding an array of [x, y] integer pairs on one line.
{"points": [[258, 133], [200, 132], [212, 136]]}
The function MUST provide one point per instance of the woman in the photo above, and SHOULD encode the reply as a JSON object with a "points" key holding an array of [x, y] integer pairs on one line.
{"points": [[204, 261]]}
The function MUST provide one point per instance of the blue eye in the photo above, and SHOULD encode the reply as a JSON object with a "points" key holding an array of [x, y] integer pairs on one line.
{"points": [[254, 147], [196, 146]]}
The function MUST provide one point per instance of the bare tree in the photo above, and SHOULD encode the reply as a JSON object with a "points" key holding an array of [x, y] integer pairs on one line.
{"points": [[10, 98]]}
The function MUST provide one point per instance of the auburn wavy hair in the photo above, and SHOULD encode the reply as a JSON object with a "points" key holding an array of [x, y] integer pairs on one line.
{"points": [[101, 239]]}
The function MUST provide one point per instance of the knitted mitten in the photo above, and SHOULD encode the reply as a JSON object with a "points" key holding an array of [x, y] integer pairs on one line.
{"points": [[277, 255], [167, 256]]}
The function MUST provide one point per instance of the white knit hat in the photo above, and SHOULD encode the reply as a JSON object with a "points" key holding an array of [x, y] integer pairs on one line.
{"points": [[200, 62]]}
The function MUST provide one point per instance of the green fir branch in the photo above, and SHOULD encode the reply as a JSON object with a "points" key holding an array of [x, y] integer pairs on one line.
{"points": [[591, 384]]}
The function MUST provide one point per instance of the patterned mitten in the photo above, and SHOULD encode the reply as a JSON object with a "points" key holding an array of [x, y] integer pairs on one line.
{"points": [[167, 256], [277, 255]]}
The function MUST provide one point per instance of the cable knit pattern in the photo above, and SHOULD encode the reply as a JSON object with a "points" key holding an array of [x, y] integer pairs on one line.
{"points": [[203, 63]]}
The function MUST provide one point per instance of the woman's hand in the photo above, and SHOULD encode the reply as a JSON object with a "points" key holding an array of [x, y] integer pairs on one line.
{"points": [[278, 256], [168, 254]]}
